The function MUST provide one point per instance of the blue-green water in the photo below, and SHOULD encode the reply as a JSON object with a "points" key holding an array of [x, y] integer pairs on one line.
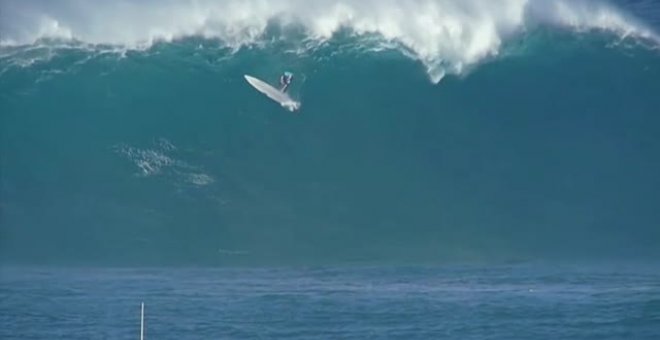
{"points": [[170, 157], [448, 157]]}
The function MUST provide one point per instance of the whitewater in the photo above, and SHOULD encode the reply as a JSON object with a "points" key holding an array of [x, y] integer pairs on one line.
{"points": [[447, 36]]}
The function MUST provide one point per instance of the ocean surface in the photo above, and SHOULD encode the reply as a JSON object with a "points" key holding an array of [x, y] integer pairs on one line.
{"points": [[451, 164], [450, 302]]}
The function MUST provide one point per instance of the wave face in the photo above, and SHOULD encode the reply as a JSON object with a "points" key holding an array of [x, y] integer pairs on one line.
{"points": [[129, 135]]}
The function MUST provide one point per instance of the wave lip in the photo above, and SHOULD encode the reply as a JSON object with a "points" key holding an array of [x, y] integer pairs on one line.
{"points": [[447, 36]]}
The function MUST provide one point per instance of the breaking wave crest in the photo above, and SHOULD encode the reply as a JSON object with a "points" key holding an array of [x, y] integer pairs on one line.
{"points": [[447, 36]]}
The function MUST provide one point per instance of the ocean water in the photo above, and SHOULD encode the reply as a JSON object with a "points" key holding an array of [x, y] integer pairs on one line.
{"points": [[449, 159], [451, 302]]}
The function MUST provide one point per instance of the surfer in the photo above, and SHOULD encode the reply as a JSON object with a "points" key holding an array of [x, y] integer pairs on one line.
{"points": [[285, 81]]}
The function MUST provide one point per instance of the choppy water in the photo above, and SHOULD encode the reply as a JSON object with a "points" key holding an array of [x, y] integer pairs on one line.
{"points": [[452, 302]]}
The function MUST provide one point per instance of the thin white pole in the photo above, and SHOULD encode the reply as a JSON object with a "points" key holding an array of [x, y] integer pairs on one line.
{"points": [[142, 323]]}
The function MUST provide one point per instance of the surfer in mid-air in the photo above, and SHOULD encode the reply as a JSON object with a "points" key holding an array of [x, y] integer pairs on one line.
{"points": [[285, 81], [275, 92]]}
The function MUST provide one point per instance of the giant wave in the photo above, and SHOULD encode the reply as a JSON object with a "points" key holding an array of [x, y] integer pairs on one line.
{"points": [[129, 136]]}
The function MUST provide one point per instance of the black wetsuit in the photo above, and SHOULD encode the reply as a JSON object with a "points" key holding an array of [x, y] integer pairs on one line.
{"points": [[285, 81]]}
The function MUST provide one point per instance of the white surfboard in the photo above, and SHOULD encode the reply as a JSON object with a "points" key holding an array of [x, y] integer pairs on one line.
{"points": [[273, 93]]}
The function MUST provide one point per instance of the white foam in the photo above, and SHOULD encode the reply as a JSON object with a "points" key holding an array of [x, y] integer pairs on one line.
{"points": [[200, 179], [158, 160], [150, 162], [446, 35]]}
